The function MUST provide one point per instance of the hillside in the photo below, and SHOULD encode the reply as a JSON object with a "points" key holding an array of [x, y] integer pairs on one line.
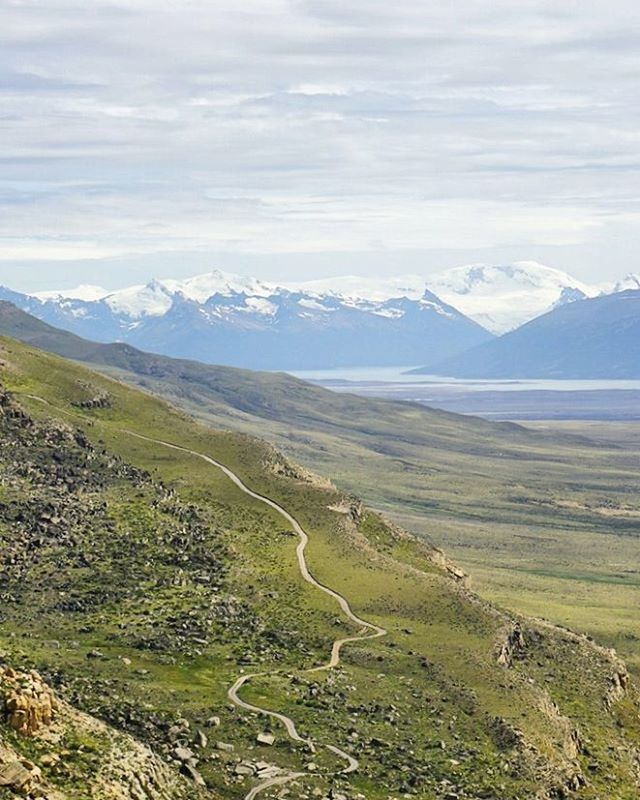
{"points": [[229, 319], [144, 582], [546, 524], [52, 751], [594, 338], [270, 399]]}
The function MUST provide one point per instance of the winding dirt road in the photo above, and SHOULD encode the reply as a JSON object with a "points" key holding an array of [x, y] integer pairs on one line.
{"points": [[368, 629]]}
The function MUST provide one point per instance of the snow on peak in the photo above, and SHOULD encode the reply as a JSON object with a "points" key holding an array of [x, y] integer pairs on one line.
{"points": [[502, 297], [258, 305], [355, 288], [85, 292], [487, 278], [158, 296], [202, 287], [499, 297], [630, 281], [152, 300]]}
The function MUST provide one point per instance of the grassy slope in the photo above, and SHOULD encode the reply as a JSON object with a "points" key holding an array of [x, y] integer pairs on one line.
{"points": [[540, 522], [431, 690], [547, 525]]}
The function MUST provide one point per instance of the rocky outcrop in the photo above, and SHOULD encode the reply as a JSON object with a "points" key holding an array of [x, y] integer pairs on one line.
{"points": [[513, 644], [28, 703], [618, 685], [100, 401], [276, 463], [440, 559], [28, 707], [351, 507], [22, 777], [123, 768]]}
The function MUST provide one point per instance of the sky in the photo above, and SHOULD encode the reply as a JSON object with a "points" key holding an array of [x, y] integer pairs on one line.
{"points": [[305, 138]]}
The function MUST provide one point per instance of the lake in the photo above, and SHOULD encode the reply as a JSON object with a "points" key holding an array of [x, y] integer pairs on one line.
{"points": [[493, 399]]}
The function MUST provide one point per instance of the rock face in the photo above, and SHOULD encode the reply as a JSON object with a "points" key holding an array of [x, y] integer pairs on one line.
{"points": [[29, 704], [618, 683], [20, 775], [28, 707], [128, 770], [513, 644]]}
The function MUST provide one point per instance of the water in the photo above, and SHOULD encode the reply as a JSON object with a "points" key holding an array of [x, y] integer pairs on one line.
{"points": [[397, 376], [494, 399]]}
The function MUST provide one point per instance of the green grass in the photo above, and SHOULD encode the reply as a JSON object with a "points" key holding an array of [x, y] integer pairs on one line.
{"points": [[437, 667], [538, 504], [503, 503]]}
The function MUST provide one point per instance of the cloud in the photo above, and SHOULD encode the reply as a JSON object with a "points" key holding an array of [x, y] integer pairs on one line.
{"points": [[147, 126]]}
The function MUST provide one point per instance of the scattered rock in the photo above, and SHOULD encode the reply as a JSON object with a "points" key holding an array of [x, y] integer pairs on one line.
{"points": [[191, 772], [184, 754], [201, 739], [15, 775]]}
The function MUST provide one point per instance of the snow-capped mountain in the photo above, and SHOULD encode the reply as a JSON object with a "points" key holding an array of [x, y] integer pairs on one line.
{"points": [[503, 297], [231, 319], [357, 288], [344, 321], [630, 281], [83, 292]]}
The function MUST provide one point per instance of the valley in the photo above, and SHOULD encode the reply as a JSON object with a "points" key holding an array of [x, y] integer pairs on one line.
{"points": [[545, 525], [319, 401], [526, 516], [148, 581]]}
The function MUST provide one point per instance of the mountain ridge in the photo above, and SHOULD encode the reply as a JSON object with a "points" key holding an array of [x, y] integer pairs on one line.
{"points": [[516, 291], [594, 338], [219, 318]]}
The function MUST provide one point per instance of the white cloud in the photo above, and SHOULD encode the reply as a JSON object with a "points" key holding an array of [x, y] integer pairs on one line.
{"points": [[138, 126]]}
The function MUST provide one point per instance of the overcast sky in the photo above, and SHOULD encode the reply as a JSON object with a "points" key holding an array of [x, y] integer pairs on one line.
{"points": [[315, 137]]}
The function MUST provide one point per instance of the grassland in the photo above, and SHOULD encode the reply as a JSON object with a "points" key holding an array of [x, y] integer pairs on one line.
{"points": [[546, 524], [427, 710]]}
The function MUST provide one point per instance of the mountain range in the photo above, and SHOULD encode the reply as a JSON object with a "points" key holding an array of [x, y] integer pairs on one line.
{"points": [[346, 321], [228, 319]]}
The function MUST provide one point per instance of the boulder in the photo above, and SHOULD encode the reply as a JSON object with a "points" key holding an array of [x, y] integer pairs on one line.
{"points": [[29, 704], [15, 775]]}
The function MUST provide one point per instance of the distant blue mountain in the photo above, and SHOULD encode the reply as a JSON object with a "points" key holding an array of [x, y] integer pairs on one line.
{"points": [[589, 338], [227, 319]]}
